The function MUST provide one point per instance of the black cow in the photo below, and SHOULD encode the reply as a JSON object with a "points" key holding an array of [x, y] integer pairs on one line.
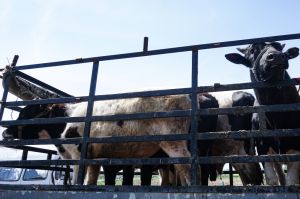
{"points": [[268, 63], [244, 122]]}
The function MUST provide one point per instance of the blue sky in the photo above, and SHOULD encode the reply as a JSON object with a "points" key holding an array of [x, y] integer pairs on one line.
{"points": [[43, 31], [54, 30]]}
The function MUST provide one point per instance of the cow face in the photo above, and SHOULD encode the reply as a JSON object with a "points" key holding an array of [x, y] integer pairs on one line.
{"points": [[34, 131], [266, 61]]}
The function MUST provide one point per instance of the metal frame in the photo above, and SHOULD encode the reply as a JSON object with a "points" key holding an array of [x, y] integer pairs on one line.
{"points": [[193, 113]]}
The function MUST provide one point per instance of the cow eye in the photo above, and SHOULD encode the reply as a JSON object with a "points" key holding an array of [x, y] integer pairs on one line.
{"points": [[252, 51]]}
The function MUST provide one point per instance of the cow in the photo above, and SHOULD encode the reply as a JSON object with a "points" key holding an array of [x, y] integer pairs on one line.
{"points": [[268, 64], [206, 123], [44, 131], [155, 126], [250, 173]]}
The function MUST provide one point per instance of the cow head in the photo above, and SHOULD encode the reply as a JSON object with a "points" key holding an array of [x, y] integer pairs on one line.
{"points": [[36, 131], [267, 61], [207, 123]]}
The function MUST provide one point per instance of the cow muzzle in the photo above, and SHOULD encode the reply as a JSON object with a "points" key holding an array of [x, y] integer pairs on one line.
{"points": [[275, 61]]}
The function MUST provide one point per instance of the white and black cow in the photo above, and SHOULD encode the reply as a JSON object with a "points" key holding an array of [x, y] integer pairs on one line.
{"points": [[173, 125], [268, 63], [118, 128], [250, 173]]}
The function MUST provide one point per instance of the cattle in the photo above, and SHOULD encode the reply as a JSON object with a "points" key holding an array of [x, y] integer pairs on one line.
{"points": [[178, 125], [206, 123], [268, 64], [242, 121], [250, 173], [113, 128]]}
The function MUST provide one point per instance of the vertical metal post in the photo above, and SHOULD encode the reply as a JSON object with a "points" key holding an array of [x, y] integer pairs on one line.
{"points": [[24, 154], [87, 125], [49, 156], [230, 175], [194, 119], [145, 46], [6, 88]]}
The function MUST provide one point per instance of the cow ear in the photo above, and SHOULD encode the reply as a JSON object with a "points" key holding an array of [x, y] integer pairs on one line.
{"points": [[292, 53], [238, 59]]}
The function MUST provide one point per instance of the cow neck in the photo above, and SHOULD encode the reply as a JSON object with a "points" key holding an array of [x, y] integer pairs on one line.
{"points": [[279, 95], [276, 95]]}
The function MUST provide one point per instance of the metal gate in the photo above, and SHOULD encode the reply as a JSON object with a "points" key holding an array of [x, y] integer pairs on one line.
{"points": [[193, 191]]}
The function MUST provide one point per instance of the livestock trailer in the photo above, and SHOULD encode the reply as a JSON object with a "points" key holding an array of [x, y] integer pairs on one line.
{"points": [[192, 191]]}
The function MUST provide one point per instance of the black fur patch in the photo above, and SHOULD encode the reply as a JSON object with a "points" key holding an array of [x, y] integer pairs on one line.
{"points": [[72, 133], [79, 147], [120, 123], [60, 148]]}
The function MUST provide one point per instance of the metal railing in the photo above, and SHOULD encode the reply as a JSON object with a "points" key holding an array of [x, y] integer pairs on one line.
{"points": [[192, 137]]}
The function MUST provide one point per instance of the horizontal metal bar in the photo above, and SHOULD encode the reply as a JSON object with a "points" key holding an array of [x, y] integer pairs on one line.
{"points": [[243, 134], [250, 109], [51, 168], [162, 189], [139, 116], [152, 115], [106, 161], [23, 142], [162, 51], [46, 101], [33, 149], [155, 93], [248, 159], [157, 161], [133, 116], [42, 121], [116, 139], [18, 109], [217, 87], [42, 84]]}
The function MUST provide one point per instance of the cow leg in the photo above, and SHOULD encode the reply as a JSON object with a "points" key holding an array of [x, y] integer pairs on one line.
{"points": [[270, 174], [279, 171], [179, 149], [204, 174], [146, 174], [164, 172], [110, 173], [92, 173], [128, 175], [75, 174], [292, 177]]}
